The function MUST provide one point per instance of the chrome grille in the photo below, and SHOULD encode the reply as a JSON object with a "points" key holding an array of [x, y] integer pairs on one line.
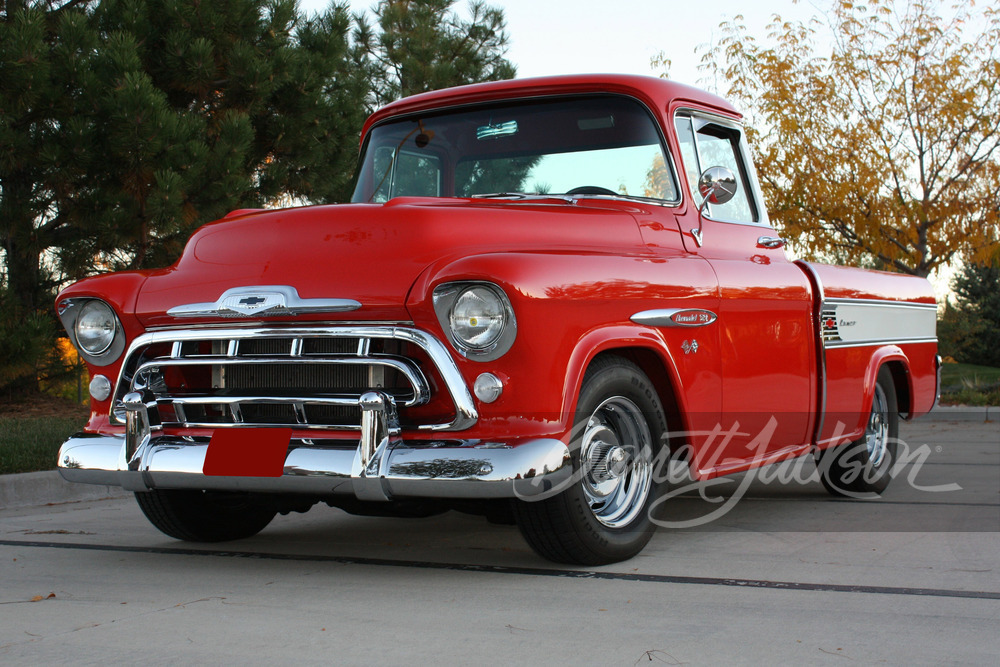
{"points": [[302, 378]]}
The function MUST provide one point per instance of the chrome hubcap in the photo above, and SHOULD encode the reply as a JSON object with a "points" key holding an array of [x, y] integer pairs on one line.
{"points": [[877, 431], [616, 455]]}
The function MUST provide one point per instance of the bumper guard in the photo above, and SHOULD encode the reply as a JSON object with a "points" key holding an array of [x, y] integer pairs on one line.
{"points": [[380, 468]]}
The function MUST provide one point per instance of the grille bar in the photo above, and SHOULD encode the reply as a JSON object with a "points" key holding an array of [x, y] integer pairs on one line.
{"points": [[302, 377], [420, 394], [263, 400]]}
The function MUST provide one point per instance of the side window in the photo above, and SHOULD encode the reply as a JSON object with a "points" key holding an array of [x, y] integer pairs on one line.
{"points": [[689, 153], [705, 144], [405, 174]]}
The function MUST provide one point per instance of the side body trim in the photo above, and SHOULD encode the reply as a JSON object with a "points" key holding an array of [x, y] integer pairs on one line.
{"points": [[860, 322]]}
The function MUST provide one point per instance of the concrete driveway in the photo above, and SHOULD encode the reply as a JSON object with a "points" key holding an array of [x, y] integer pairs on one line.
{"points": [[787, 574]]}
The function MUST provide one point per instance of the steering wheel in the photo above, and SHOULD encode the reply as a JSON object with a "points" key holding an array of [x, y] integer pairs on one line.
{"points": [[591, 190]]}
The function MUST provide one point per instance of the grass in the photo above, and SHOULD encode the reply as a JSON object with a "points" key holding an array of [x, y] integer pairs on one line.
{"points": [[966, 384], [965, 374], [971, 397], [29, 444]]}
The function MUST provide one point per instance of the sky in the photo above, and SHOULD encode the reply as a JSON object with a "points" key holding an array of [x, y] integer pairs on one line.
{"points": [[618, 36]]}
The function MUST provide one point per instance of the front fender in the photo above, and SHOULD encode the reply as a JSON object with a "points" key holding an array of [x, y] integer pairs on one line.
{"points": [[567, 313]]}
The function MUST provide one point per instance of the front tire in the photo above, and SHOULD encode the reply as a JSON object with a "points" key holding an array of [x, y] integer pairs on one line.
{"points": [[205, 516], [863, 468], [604, 516]]}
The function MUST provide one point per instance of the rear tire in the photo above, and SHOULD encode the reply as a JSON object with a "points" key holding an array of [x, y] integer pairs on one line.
{"points": [[205, 516], [863, 468], [604, 516]]}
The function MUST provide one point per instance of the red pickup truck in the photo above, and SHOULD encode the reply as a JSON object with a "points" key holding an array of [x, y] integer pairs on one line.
{"points": [[541, 293]]}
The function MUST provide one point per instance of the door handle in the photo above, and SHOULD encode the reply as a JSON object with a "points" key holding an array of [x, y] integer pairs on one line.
{"points": [[770, 242]]}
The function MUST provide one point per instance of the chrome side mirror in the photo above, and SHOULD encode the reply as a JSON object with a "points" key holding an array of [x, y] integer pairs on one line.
{"points": [[717, 185]]}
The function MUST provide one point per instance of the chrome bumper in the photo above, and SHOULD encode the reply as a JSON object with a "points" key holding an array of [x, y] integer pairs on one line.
{"points": [[381, 467]]}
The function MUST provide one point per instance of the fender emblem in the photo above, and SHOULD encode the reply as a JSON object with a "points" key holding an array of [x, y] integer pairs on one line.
{"points": [[675, 317], [263, 301], [690, 347]]}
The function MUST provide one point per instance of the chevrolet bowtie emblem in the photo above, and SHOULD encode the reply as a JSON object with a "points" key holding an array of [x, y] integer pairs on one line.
{"points": [[236, 305], [263, 301]]}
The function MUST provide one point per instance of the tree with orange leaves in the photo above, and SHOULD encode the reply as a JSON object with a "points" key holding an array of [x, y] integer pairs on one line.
{"points": [[886, 152]]}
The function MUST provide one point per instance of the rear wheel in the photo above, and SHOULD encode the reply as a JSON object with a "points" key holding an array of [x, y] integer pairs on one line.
{"points": [[863, 467], [604, 516], [205, 516]]}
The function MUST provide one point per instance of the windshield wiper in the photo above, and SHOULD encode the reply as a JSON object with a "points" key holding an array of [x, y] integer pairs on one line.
{"points": [[525, 196], [569, 199], [503, 195]]}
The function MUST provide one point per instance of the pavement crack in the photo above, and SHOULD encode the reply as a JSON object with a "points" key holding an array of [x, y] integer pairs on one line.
{"points": [[658, 655], [834, 653], [182, 605], [513, 629]]}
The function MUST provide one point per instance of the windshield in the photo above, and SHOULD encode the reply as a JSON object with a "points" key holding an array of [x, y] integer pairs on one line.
{"points": [[595, 145]]}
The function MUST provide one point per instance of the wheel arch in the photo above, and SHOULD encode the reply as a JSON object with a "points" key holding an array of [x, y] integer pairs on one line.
{"points": [[898, 364], [650, 355]]}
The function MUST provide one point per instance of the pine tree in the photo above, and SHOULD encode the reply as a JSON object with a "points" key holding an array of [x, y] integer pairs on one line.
{"points": [[227, 104], [970, 331], [423, 45], [125, 124]]}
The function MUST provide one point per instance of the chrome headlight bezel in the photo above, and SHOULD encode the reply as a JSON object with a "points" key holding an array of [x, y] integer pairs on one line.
{"points": [[72, 310], [449, 295]]}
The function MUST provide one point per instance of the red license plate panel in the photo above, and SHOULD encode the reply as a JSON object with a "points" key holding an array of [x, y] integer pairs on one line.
{"points": [[247, 452]]}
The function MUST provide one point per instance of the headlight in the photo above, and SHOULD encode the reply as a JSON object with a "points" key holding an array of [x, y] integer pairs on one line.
{"points": [[95, 327], [477, 317]]}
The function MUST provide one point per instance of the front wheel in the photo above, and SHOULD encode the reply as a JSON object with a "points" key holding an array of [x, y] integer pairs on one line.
{"points": [[604, 516], [863, 467], [205, 516]]}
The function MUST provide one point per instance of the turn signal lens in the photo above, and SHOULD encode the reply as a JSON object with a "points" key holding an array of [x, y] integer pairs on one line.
{"points": [[100, 388]]}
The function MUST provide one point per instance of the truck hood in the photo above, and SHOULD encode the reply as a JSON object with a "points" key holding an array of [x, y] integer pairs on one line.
{"points": [[368, 253]]}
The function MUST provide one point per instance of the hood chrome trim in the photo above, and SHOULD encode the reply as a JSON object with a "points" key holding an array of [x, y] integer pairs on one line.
{"points": [[263, 301]]}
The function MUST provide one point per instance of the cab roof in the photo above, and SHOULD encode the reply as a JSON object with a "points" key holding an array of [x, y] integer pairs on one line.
{"points": [[656, 93]]}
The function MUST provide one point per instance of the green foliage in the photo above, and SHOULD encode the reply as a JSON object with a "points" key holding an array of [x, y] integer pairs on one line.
{"points": [[125, 124], [954, 376], [970, 330], [33, 355], [423, 45], [26, 341], [30, 444]]}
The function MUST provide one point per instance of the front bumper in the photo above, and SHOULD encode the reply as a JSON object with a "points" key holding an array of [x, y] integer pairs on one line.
{"points": [[380, 468]]}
